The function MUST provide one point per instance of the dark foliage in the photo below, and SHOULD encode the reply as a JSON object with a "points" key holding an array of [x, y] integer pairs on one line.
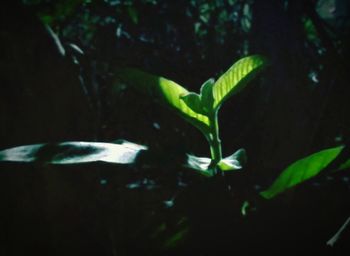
{"points": [[57, 76]]}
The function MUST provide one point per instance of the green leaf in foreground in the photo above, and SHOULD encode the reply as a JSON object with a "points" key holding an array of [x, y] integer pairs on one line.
{"points": [[301, 171], [74, 152], [236, 78]]}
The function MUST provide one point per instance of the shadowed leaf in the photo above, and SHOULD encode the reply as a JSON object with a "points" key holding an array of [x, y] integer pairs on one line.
{"points": [[175, 239], [207, 96], [193, 101], [345, 165]]}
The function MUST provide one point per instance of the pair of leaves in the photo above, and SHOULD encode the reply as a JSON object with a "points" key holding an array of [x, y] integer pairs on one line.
{"points": [[121, 152], [230, 163], [191, 106]]}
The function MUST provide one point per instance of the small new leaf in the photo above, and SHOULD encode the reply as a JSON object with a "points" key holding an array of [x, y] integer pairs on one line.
{"points": [[345, 165], [207, 97], [193, 101], [234, 161]]}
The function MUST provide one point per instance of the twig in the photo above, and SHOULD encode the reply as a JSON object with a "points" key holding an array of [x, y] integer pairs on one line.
{"points": [[335, 238]]}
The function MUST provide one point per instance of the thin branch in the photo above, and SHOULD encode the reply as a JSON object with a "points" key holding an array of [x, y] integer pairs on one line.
{"points": [[336, 237]]}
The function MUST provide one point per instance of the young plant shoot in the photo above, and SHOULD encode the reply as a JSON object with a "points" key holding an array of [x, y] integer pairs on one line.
{"points": [[201, 110]]}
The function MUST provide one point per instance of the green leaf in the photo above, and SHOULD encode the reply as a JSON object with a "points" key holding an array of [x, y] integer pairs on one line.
{"points": [[177, 238], [193, 101], [301, 171], [207, 96], [133, 14], [345, 165], [236, 78], [74, 152], [167, 91], [202, 103]]}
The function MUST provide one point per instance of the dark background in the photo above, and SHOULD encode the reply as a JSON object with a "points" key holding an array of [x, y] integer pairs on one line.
{"points": [[51, 92]]}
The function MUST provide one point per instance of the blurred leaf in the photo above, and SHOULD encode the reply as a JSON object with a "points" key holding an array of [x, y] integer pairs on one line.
{"points": [[47, 19], [57, 11], [74, 152], [310, 30], [235, 79], [345, 165], [326, 9], [244, 208], [167, 91], [246, 20], [301, 171], [159, 230], [133, 14], [175, 239]]}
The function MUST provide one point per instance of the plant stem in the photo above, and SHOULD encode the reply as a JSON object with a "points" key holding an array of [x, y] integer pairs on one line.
{"points": [[214, 141]]}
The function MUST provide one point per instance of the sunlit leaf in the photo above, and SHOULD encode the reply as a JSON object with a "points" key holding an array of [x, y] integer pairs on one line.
{"points": [[200, 164], [234, 79], [301, 171], [74, 152], [234, 161], [203, 164], [165, 90]]}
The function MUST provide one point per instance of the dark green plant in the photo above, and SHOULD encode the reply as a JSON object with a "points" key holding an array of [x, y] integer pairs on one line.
{"points": [[201, 109]]}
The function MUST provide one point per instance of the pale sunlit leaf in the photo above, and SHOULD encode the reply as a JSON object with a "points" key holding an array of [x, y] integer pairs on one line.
{"points": [[74, 152]]}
